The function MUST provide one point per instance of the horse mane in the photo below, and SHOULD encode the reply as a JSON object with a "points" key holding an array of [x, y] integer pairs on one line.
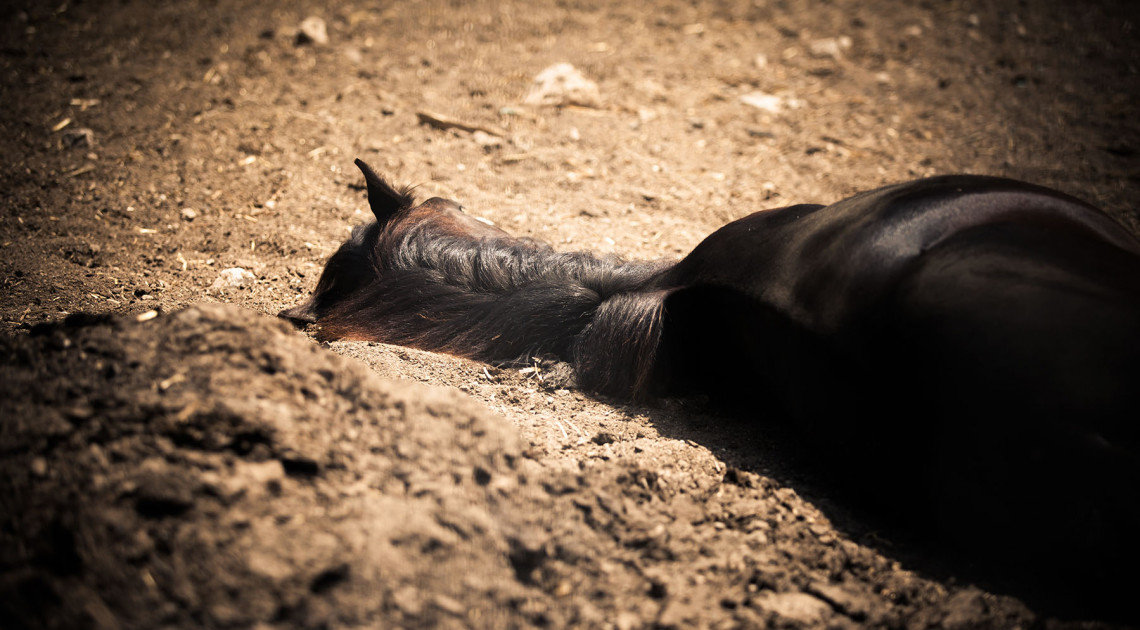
{"points": [[508, 299]]}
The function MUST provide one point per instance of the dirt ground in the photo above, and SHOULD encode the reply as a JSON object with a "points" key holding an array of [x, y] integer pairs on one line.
{"points": [[209, 467]]}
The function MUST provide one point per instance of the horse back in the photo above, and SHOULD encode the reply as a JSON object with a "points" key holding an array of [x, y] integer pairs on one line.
{"points": [[824, 265]]}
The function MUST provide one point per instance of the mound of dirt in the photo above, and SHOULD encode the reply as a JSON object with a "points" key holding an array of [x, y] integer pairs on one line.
{"points": [[211, 467], [168, 471]]}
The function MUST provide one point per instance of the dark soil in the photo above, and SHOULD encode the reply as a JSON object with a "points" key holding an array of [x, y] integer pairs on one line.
{"points": [[211, 467]]}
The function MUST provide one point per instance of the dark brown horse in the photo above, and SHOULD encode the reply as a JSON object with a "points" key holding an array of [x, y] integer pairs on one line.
{"points": [[965, 348]]}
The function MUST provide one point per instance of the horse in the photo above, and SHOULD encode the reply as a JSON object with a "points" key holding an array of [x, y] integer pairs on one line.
{"points": [[962, 350]]}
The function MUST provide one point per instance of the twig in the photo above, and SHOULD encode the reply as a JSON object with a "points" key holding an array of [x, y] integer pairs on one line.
{"points": [[575, 427], [440, 121], [86, 168], [563, 430]]}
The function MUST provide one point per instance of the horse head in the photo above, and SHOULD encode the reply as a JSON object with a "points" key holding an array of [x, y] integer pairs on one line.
{"points": [[367, 254]]}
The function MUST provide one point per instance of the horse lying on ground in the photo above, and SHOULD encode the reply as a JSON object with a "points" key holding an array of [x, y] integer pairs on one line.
{"points": [[964, 350]]}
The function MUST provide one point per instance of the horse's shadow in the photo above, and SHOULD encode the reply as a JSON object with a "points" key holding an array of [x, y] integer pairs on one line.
{"points": [[901, 530]]}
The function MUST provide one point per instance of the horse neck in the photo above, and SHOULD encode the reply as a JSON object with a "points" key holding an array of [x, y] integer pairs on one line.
{"points": [[509, 299], [504, 265]]}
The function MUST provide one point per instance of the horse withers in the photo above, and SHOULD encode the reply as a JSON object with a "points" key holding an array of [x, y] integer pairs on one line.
{"points": [[963, 351]]}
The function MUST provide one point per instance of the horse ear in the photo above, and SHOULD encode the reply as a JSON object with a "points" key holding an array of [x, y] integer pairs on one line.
{"points": [[385, 200]]}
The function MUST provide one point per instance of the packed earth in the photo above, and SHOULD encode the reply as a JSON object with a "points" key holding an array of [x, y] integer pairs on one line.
{"points": [[176, 173]]}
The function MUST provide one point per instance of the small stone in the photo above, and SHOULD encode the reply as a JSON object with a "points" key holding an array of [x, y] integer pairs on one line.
{"points": [[81, 137], [262, 473], [760, 100], [160, 494], [408, 600], [627, 621], [654, 89], [795, 606], [829, 47], [39, 467], [562, 84], [225, 614], [233, 278], [313, 31], [189, 214], [269, 564], [604, 437]]}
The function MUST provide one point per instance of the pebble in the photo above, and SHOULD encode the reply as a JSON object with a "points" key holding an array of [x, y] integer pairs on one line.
{"points": [[233, 278], [829, 47], [263, 472], [161, 493], [563, 84], [269, 564], [39, 467], [408, 600], [764, 101], [795, 606], [627, 621], [189, 214], [81, 137], [353, 55], [313, 31]]}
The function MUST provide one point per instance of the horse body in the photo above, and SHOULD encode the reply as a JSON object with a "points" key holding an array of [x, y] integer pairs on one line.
{"points": [[994, 293], [968, 347], [971, 344]]}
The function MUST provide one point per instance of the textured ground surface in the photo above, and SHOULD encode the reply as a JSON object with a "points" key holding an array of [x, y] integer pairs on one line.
{"points": [[209, 467]]}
